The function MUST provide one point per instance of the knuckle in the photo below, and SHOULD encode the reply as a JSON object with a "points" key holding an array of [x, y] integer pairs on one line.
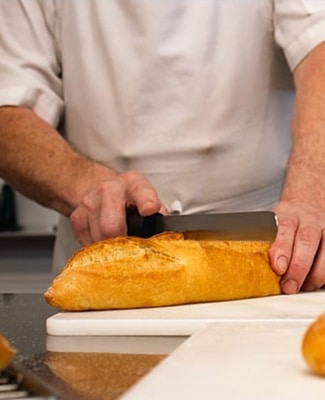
{"points": [[298, 266], [104, 187], [288, 223], [135, 181], [88, 205], [309, 234], [130, 176]]}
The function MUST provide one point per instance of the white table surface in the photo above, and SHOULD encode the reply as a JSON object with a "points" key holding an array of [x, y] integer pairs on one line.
{"points": [[233, 358], [236, 350], [261, 361]]}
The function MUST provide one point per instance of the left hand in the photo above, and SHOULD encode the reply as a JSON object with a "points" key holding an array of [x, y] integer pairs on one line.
{"points": [[298, 252]]}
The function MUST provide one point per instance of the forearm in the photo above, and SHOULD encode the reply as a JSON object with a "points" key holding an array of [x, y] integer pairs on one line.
{"points": [[305, 181], [40, 164]]}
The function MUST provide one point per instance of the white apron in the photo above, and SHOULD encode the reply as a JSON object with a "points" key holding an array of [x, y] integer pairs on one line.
{"points": [[196, 94]]}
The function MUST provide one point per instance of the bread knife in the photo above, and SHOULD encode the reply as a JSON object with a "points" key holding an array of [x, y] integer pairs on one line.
{"points": [[252, 225]]}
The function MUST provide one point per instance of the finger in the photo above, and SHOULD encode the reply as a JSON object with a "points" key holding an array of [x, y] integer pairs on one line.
{"points": [[109, 217], [306, 244], [316, 277], [281, 249], [85, 219], [80, 228], [112, 218], [141, 194]]}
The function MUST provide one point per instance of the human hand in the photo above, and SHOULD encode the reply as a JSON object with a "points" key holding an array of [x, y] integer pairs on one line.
{"points": [[101, 212], [298, 252]]}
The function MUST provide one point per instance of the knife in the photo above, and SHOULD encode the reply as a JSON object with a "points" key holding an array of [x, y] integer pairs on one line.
{"points": [[252, 225]]}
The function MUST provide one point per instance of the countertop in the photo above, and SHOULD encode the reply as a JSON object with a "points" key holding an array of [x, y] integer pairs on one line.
{"points": [[69, 375], [229, 358]]}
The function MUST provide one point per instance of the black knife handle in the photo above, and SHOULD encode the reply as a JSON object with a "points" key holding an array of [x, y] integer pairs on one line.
{"points": [[144, 227], [149, 225]]}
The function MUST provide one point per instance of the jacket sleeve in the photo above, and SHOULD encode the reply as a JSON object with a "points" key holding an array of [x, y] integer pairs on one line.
{"points": [[30, 67]]}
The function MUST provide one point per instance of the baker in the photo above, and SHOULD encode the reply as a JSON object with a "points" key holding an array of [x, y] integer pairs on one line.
{"points": [[172, 106]]}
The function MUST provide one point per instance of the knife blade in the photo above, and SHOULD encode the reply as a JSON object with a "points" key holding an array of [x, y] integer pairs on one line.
{"points": [[252, 225]]}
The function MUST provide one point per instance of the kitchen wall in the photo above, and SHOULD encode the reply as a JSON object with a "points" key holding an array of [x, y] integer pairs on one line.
{"points": [[26, 254]]}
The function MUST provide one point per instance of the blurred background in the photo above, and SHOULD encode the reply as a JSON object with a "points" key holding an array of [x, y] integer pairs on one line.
{"points": [[27, 233]]}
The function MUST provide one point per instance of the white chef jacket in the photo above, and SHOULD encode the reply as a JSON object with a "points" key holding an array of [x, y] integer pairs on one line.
{"points": [[196, 94]]}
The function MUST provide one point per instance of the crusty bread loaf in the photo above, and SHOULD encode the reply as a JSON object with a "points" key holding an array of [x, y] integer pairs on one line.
{"points": [[167, 269], [313, 345], [6, 352]]}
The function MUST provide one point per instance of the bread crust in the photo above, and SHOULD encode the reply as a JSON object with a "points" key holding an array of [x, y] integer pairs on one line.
{"points": [[313, 345], [166, 269]]}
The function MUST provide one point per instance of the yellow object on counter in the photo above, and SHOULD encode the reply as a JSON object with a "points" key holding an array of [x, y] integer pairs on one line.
{"points": [[6, 352], [313, 345]]}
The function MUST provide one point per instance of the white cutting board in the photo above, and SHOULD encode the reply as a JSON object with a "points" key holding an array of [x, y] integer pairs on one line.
{"points": [[256, 361], [186, 319], [114, 344]]}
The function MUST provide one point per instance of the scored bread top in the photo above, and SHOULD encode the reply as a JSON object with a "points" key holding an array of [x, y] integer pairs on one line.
{"points": [[120, 249]]}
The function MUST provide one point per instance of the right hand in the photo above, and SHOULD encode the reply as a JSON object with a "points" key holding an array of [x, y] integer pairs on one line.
{"points": [[101, 213]]}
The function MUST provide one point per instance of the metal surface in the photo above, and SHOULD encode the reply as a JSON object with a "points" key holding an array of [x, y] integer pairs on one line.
{"points": [[16, 382], [39, 373], [257, 225]]}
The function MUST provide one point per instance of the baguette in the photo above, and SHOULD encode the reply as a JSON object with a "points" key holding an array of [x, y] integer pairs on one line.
{"points": [[6, 353], [166, 269], [313, 345]]}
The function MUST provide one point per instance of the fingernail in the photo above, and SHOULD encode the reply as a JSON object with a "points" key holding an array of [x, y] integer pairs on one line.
{"points": [[290, 286], [282, 264]]}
